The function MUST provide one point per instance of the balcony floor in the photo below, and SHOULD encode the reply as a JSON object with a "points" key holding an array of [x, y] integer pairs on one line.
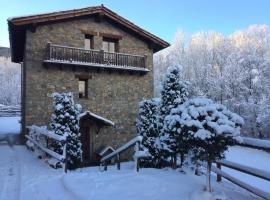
{"points": [[96, 65]]}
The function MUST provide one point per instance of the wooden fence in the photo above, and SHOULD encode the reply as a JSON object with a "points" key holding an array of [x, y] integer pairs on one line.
{"points": [[10, 111], [37, 135], [252, 143]]}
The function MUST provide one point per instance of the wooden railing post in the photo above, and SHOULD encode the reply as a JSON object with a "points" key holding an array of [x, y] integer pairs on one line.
{"points": [[137, 148], [145, 61], [101, 57], [49, 51], [218, 175], [118, 162], [65, 156]]}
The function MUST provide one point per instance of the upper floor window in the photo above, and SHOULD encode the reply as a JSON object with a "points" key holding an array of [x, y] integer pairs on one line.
{"points": [[83, 83], [88, 42], [110, 45]]}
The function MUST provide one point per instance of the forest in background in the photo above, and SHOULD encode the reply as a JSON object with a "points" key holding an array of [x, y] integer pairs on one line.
{"points": [[10, 79], [232, 70]]}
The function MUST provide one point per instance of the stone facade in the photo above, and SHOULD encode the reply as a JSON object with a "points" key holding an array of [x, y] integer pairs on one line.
{"points": [[114, 96]]}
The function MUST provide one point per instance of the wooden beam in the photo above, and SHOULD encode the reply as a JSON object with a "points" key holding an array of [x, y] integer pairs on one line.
{"points": [[83, 76], [109, 35], [33, 27], [89, 32]]}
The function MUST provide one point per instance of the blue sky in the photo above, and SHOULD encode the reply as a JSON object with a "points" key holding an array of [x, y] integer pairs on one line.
{"points": [[161, 17]]}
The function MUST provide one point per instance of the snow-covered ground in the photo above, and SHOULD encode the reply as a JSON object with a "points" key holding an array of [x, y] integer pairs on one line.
{"points": [[10, 125], [22, 174], [252, 158]]}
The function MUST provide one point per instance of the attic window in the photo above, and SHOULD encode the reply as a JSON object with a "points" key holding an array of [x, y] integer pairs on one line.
{"points": [[83, 86]]}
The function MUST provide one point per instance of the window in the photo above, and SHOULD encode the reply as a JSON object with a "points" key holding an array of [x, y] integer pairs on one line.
{"points": [[110, 45], [89, 42], [83, 88]]}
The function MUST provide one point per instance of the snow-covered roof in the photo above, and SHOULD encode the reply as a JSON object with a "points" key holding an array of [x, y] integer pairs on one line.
{"points": [[97, 117]]}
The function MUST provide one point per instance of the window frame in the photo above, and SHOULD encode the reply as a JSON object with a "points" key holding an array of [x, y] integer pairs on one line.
{"points": [[91, 41], [111, 40], [85, 96]]}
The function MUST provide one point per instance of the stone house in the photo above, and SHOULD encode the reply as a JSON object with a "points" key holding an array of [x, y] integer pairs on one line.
{"points": [[104, 59]]}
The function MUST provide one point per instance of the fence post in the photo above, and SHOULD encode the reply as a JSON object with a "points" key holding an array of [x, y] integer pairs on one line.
{"points": [[105, 166], [137, 148], [118, 161], [218, 175], [65, 156]]}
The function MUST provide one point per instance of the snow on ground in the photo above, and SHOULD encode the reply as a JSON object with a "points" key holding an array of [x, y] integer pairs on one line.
{"points": [[10, 125], [9, 173], [36, 180], [253, 158]]}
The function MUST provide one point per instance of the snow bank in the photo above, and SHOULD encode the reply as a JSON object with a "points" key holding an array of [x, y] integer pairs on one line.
{"points": [[10, 125]]}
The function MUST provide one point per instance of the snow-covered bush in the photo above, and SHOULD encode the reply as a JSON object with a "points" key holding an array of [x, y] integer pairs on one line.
{"points": [[174, 93], [210, 127], [65, 121], [147, 128]]}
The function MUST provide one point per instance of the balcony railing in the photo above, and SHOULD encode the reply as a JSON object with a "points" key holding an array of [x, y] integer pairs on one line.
{"points": [[72, 55]]}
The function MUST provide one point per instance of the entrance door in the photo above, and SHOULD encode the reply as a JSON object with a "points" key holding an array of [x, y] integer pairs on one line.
{"points": [[85, 140]]}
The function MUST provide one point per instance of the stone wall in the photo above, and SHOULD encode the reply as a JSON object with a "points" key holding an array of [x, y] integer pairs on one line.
{"points": [[114, 96]]}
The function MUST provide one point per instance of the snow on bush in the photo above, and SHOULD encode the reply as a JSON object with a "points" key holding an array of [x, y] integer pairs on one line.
{"points": [[208, 126], [147, 128], [65, 122]]}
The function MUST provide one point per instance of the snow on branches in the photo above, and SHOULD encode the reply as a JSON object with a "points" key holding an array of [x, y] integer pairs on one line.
{"points": [[65, 122], [174, 93], [207, 128], [147, 128]]}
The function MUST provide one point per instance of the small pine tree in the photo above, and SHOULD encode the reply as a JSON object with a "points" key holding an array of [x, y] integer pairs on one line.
{"points": [[65, 121], [147, 128], [174, 93], [212, 128]]}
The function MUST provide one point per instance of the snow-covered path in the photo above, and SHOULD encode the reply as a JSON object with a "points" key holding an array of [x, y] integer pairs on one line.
{"points": [[10, 172], [39, 181]]}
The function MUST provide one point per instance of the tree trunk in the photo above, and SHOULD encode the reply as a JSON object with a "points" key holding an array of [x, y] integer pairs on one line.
{"points": [[182, 159], [208, 177], [174, 164], [196, 169]]}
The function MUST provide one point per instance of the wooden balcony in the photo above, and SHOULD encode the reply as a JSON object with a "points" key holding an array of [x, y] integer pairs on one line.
{"points": [[59, 54]]}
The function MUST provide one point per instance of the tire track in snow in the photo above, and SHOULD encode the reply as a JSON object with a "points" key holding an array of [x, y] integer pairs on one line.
{"points": [[12, 185]]}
